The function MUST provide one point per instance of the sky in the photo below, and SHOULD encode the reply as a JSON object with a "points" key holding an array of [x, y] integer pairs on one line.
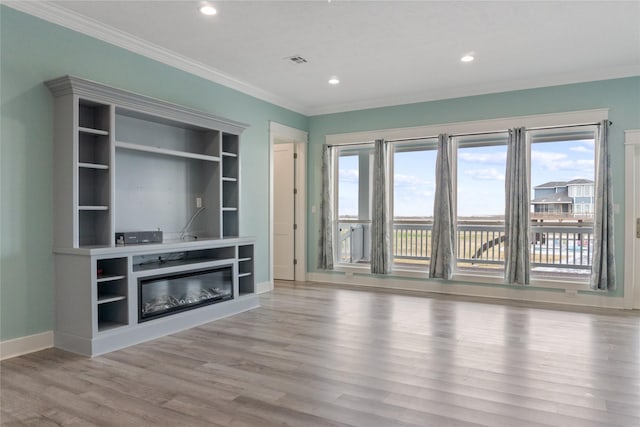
{"points": [[480, 177]]}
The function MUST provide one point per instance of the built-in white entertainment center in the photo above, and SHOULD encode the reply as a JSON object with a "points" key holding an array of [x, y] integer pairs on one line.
{"points": [[165, 179]]}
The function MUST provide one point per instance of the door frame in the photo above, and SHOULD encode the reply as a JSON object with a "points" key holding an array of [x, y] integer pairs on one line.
{"points": [[279, 133], [632, 175]]}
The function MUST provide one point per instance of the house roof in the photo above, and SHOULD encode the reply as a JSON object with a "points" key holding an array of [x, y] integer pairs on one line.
{"points": [[560, 197], [552, 184], [579, 181], [556, 184]]}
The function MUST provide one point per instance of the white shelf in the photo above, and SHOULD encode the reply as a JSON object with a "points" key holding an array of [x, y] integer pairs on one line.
{"points": [[228, 154], [93, 208], [243, 275], [93, 166], [109, 278], [166, 151], [92, 131], [229, 179], [244, 259], [105, 326], [110, 298], [229, 209]]}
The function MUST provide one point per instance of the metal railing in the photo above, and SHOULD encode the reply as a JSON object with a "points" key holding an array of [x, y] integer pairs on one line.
{"points": [[562, 245], [353, 242], [480, 244]]}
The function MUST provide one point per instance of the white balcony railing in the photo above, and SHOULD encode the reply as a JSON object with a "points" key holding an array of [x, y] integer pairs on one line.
{"points": [[559, 246]]}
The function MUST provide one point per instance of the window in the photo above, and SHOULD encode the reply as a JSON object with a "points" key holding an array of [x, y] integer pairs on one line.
{"points": [[414, 166], [354, 204], [481, 165], [562, 236], [561, 168]]}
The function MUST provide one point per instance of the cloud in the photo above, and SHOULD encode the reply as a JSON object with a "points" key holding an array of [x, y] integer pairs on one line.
{"points": [[413, 195], [410, 203], [546, 157], [586, 165], [581, 149], [348, 175], [495, 158], [486, 174], [410, 181], [558, 162]]}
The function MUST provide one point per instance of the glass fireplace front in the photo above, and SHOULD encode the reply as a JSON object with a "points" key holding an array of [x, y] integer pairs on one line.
{"points": [[167, 294]]}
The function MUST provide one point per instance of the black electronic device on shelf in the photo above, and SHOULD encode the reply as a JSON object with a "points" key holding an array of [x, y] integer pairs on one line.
{"points": [[138, 237]]}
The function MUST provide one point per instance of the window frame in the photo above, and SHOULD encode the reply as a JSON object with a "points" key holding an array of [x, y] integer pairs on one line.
{"points": [[561, 134], [355, 147], [429, 144], [558, 120]]}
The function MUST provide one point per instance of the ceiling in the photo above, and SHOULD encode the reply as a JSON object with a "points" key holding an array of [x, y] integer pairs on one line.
{"points": [[384, 52]]}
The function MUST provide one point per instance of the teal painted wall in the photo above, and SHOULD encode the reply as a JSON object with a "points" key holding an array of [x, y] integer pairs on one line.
{"points": [[621, 96], [33, 51]]}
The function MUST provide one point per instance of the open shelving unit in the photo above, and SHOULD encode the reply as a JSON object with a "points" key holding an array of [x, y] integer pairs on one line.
{"points": [[111, 293], [126, 162], [246, 281], [94, 184], [230, 185]]}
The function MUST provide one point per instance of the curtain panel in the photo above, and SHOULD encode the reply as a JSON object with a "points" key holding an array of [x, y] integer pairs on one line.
{"points": [[603, 266], [443, 234], [380, 228], [325, 250], [517, 200]]}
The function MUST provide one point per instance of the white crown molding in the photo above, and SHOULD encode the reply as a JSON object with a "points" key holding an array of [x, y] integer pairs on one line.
{"points": [[58, 15], [481, 89]]}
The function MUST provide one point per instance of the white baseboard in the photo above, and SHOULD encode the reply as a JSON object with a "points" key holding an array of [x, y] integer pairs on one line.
{"points": [[23, 345], [264, 287], [518, 293]]}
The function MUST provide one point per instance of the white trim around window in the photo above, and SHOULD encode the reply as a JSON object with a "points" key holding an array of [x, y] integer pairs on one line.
{"points": [[631, 269], [494, 125], [477, 126]]}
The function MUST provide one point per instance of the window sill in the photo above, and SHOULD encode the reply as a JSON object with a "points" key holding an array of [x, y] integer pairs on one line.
{"points": [[423, 273]]}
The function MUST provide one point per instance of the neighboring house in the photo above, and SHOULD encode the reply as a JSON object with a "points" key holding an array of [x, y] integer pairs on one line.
{"points": [[563, 199]]}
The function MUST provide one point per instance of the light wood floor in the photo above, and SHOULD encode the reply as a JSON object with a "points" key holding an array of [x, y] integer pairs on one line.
{"points": [[316, 355]]}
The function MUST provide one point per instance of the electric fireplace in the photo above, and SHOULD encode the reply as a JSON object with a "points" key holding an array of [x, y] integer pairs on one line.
{"points": [[167, 294]]}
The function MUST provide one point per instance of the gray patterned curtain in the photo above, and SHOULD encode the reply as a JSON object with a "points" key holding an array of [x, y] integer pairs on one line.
{"points": [[516, 218], [603, 268], [380, 241], [325, 251], [443, 234]]}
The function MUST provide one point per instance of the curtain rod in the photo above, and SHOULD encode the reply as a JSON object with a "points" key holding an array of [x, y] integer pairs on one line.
{"points": [[418, 138]]}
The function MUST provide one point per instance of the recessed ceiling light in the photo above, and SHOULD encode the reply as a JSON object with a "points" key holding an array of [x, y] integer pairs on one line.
{"points": [[467, 58], [334, 80], [207, 9]]}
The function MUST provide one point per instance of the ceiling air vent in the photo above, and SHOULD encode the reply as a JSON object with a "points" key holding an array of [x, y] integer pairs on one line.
{"points": [[297, 59]]}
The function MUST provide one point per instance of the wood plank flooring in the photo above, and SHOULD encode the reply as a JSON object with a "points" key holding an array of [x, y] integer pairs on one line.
{"points": [[316, 355]]}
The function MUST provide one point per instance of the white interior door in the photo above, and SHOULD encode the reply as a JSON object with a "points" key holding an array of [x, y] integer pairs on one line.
{"points": [[283, 211]]}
